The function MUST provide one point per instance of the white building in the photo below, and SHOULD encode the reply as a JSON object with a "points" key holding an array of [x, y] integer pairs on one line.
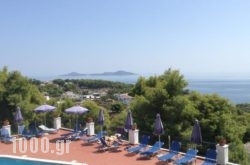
{"points": [[124, 98], [71, 95]]}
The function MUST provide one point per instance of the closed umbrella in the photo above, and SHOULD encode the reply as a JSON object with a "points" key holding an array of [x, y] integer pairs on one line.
{"points": [[196, 134], [43, 109], [196, 137], [77, 110], [100, 119], [128, 126], [129, 121], [158, 126], [18, 116]]}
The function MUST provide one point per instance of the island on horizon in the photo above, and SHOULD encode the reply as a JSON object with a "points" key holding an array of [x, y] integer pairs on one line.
{"points": [[117, 73]]}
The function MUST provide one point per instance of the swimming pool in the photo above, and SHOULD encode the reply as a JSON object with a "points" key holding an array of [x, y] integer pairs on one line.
{"points": [[15, 160]]}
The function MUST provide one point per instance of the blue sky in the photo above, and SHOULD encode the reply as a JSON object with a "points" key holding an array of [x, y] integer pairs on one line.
{"points": [[53, 37]]}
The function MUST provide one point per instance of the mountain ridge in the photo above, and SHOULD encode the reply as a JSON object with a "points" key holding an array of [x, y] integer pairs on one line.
{"points": [[116, 73]]}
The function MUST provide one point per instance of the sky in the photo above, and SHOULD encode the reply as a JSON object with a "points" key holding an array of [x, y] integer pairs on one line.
{"points": [[196, 37]]}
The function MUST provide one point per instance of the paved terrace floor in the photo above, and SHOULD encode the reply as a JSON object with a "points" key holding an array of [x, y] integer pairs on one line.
{"points": [[82, 152]]}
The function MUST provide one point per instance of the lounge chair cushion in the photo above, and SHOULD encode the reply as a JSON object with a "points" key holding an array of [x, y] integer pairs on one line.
{"points": [[174, 151], [142, 145], [48, 130], [152, 150], [187, 158], [210, 158], [95, 138]]}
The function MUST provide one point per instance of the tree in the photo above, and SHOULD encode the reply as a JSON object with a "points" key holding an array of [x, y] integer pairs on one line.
{"points": [[178, 107], [116, 107], [159, 95], [173, 82], [17, 90], [52, 90], [94, 112]]}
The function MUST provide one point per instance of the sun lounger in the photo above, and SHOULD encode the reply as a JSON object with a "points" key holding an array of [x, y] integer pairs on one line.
{"points": [[81, 132], [114, 146], [210, 158], [174, 151], [48, 130], [152, 150], [187, 158], [104, 146], [8, 139], [94, 138], [73, 137], [142, 145], [30, 133]]}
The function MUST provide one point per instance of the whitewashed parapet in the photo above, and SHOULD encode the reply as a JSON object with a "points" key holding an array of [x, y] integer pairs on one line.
{"points": [[222, 154]]}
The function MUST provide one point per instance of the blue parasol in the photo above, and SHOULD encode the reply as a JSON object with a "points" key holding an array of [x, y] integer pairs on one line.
{"points": [[158, 126], [100, 119], [129, 121], [43, 109], [196, 133], [18, 118], [77, 110]]}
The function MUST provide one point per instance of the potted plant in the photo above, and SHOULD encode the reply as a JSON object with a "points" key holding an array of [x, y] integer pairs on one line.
{"points": [[89, 119], [6, 122], [221, 140], [56, 114], [134, 126]]}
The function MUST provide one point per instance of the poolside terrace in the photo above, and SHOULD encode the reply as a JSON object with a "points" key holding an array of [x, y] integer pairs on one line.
{"points": [[82, 152]]}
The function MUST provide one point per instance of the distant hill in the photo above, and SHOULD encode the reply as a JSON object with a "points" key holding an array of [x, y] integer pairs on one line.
{"points": [[117, 73], [74, 74]]}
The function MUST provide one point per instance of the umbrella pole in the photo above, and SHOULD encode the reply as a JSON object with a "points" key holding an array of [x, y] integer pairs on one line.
{"points": [[76, 123], [159, 139], [18, 132], [101, 131], [195, 150], [45, 119], [35, 120], [169, 146]]}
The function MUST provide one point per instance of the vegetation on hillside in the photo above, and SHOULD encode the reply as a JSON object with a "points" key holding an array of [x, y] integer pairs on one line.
{"points": [[15, 90], [166, 94], [80, 86]]}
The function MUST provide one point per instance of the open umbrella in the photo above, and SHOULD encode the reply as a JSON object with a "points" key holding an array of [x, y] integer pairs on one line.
{"points": [[196, 133], [43, 109], [129, 121], [77, 110], [100, 119], [158, 126]]}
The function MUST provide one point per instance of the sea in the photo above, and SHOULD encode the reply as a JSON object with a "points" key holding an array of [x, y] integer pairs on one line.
{"points": [[235, 90]]}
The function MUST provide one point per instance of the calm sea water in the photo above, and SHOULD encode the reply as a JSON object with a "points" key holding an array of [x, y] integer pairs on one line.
{"points": [[237, 91]]}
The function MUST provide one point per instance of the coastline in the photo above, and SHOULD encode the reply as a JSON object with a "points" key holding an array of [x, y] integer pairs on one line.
{"points": [[236, 90]]}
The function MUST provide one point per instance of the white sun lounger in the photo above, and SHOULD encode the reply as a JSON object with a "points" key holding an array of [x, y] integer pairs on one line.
{"points": [[48, 130]]}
